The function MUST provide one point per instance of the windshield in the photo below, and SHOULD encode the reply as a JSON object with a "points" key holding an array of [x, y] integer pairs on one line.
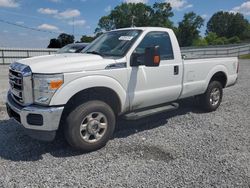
{"points": [[114, 43]]}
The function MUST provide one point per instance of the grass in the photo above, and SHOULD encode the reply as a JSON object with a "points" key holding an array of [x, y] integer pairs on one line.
{"points": [[245, 56]]}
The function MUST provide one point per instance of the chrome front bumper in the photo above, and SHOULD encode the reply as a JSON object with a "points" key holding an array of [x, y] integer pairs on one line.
{"points": [[48, 117]]}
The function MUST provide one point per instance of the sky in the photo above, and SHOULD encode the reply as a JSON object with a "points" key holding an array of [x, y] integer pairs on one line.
{"points": [[48, 18]]}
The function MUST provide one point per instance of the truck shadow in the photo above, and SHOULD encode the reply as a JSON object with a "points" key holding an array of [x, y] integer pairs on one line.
{"points": [[15, 145], [126, 128]]}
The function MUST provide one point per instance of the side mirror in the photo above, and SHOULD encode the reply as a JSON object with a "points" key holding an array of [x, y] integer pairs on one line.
{"points": [[137, 59], [152, 56]]}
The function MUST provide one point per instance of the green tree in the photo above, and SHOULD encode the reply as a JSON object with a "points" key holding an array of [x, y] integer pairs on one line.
{"points": [[136, 14], [221, 41], [105, 24], [188, 30], [87, 39], [162, 13], [211, 38], [246, 33], [226, 24], [62, 40], [65, 39], [234, 40], [54, 43], [200, 42], [126, 15]]}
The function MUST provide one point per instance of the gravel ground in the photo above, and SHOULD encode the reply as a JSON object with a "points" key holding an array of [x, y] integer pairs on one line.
{"points": [[184, 148], [3, 83]]}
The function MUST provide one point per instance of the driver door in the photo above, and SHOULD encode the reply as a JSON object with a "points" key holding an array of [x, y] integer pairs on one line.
{"points": [[149, 86]]}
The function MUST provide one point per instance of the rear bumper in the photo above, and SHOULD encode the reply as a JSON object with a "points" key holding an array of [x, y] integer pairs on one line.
{"points": [[40, 122]]}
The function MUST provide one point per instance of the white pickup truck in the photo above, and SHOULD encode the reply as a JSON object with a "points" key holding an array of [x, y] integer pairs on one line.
{"points": [[133, 72]]}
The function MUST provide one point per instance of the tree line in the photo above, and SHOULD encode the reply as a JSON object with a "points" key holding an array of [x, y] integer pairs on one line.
{"points": [[222, 27]]}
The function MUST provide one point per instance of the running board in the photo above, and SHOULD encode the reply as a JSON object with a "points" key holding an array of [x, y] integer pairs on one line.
{"points": [[141, 114]]}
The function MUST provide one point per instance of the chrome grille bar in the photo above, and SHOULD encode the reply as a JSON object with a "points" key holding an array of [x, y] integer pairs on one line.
{"points": [[16, 85], [20, 83]]}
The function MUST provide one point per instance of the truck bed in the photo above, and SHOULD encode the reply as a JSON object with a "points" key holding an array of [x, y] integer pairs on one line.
{"points": [[197, 73]]}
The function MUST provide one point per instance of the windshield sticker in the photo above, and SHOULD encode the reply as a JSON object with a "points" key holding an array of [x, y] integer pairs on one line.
{"points": [[126, 38]]}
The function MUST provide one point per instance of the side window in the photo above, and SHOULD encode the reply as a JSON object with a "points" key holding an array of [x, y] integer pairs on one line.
{"points": [[160, 39]]}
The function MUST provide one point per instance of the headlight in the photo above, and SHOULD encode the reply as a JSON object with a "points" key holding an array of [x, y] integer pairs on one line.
{"points": [[45, 86]]}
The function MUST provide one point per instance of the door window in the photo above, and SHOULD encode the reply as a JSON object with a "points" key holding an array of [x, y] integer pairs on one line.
{"points": [[160, 39]]}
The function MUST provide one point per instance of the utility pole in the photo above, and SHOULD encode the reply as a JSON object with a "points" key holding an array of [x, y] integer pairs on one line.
{"points": [[73, 23], [133, 21]]}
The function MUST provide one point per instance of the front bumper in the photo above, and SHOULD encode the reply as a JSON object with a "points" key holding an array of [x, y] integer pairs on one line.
{"points": [[40, 122]]}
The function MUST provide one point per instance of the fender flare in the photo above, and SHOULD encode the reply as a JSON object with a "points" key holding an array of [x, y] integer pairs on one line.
{"points": [[64, 94], [216, 69]]}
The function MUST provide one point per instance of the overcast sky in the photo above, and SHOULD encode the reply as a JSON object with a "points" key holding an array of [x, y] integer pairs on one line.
{"points": [[54, 16]]}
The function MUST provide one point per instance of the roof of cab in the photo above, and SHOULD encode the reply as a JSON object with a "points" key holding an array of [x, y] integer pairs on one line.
{"points": [[145, 29]]}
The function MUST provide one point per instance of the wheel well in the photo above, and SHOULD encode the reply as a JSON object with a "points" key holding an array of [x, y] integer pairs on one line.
{"points": [[104, 94], [220, 77]]}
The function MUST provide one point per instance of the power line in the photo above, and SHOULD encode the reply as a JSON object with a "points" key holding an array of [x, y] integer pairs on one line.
{"points": [[27, 27], [30, 28]]}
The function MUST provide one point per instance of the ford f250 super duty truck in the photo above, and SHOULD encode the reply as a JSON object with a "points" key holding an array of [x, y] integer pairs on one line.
{"points": [[132, 72]]}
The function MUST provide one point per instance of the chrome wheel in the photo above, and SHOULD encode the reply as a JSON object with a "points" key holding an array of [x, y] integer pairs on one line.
{"points": [[215, 96], [93, 127]]}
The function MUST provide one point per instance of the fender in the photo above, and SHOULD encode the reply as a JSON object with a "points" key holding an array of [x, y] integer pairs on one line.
{"points": [[216, 69], [63, 95]]}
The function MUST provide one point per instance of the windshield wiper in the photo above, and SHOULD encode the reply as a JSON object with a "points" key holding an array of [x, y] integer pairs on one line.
{"points": [[95, 52]]}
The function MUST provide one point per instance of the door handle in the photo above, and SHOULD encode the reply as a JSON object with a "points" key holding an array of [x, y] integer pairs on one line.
{"points": [[176, 70]]}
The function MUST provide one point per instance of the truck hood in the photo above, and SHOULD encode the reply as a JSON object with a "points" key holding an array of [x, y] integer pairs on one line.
{"points": [[63, 63]]}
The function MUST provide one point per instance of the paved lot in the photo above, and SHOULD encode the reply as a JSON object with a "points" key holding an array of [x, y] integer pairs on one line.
{"points": [[185, 148]]}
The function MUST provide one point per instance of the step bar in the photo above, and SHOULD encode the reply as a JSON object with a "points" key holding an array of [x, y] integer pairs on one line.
{"points": [[152, 111]]}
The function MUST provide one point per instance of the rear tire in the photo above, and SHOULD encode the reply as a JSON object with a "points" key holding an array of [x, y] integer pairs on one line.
{"points": [[89, 126], [212, 98]]}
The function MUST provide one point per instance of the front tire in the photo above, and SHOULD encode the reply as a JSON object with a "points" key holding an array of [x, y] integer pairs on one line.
{"points": [[212, 98], [89, 126]]}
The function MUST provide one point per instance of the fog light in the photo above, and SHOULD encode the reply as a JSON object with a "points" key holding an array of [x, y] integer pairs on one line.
{"points": [[35, 119]]}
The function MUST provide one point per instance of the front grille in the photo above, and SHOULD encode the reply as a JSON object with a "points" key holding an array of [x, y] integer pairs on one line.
{"points": [[16, 85], [21, 83]]}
